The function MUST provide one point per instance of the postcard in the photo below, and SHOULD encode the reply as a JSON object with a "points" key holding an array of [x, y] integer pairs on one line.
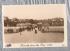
{"points": [[26, 26]]}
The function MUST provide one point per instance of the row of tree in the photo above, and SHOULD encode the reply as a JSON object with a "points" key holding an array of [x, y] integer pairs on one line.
{"points": [[52, 22]]}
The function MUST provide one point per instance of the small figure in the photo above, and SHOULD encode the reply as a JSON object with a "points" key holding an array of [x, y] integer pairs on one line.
{"points": [[20, 30], [35, 31]]}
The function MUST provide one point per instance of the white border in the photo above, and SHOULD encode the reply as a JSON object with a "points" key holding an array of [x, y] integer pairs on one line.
{"points": [[27, 45]]}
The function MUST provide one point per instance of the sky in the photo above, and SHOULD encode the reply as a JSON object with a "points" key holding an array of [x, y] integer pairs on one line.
{"points": [[34, 11]]}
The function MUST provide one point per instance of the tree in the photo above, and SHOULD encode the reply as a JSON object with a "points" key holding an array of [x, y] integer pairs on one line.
{"points": [[6, 21], [14, 21]]}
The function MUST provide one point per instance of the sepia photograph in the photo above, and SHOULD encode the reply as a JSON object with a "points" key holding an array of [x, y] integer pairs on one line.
{"points": [[34, 25]]}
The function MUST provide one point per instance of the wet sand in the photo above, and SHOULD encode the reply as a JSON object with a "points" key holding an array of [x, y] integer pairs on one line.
{"points": [[31, 37]]}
